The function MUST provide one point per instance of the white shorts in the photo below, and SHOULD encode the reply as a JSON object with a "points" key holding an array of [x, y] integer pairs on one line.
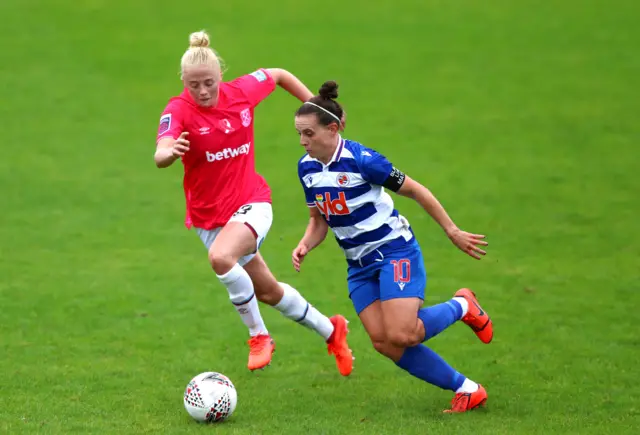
{"points": [[258, 216]]}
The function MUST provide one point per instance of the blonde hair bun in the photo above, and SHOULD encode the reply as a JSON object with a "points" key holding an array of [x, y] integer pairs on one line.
{"points": [[199, 39]]}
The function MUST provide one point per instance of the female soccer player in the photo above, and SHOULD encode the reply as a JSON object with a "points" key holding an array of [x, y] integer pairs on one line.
{"points": [[209, 126], [344, 185]]}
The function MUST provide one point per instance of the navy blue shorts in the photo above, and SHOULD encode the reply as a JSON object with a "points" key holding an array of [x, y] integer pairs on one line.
{"points": [[397, 274]]}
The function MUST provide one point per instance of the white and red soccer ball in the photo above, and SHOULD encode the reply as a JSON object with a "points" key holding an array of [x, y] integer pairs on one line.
{"points": [[210, 397]]}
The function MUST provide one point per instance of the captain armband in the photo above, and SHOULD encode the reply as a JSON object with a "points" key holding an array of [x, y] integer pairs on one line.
{"points": [[395, 180]]}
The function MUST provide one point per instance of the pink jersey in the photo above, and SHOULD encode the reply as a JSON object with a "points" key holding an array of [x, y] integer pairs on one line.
{"points": [[219, 168]]}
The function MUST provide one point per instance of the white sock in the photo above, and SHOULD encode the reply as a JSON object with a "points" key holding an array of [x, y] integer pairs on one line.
{"points": [[293, 306], [468, 386], [240, 288], [463, 303]]}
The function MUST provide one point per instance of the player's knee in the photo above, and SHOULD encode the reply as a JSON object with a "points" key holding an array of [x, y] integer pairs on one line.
{"points": [[381, 346], [402, 339], [222, 262], [380, 343], [387, 349]]}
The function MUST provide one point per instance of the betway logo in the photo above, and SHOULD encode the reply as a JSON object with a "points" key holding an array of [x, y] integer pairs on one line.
{"points": [[228, 153]]}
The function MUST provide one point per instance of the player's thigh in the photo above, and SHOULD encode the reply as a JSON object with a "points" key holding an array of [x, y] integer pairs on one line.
{"points": [[234, 240], [265, 284], [242, 236], [371, 318], [258, 217], [403, 280], [400, 320]]}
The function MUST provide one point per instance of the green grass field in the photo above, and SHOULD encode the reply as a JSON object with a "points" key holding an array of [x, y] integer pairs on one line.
{"points": [[522, 117]]}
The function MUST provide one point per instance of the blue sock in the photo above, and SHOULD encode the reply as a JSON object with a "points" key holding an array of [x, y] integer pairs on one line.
{"points": [[427, 365], [439, 317]]}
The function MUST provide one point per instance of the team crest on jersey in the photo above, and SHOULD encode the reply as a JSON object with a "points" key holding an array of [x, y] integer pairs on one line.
{"points": [[245, 115], [165, 124], [342, 179]]}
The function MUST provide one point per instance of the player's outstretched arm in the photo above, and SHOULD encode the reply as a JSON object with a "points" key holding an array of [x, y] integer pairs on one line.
{"points": [[314, 235], [290, 83], [467, 242]]}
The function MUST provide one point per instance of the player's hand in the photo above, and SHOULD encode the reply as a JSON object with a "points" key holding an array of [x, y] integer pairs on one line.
{"points": [[297, 257], [468, 243], [181, 145]]}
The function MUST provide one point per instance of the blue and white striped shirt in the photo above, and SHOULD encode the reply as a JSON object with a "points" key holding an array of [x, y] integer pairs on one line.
{"points": [[349, 194]]}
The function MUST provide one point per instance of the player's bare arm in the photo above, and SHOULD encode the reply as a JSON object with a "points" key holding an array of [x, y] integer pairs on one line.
{"points": [[314, 235], [169, 150], [316, 229], [467, 242], [290, 83]]}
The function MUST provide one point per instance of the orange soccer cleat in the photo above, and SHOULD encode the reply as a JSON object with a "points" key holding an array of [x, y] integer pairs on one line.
{"points": [[476, 317], [463, 402], [338, 346], [261, 347]]}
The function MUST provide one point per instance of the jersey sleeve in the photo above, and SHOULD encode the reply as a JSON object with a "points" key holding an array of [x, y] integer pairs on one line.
{"points": [[307, 191], [171, 122], [374, 167], [377, 169], [256, 86]]}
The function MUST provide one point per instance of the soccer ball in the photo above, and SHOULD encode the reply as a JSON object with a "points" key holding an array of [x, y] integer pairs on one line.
{"points": [[210, 397]]}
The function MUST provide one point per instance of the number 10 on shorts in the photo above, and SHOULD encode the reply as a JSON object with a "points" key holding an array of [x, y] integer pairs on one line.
{"points": [[401, 272]]}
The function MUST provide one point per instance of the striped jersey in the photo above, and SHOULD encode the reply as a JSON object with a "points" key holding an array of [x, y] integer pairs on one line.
{"points": [[349, 193]]}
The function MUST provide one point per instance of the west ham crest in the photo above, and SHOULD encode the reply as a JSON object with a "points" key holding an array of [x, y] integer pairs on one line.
{"points": [[245, 115]]}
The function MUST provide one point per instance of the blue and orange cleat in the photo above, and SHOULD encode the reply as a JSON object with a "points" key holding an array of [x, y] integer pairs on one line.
{"points": [[476, 317], [261, 347], [463, 402], [338, 346]]}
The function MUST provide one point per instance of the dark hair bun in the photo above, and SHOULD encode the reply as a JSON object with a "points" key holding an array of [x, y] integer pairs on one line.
{"points": [[329, 90]]}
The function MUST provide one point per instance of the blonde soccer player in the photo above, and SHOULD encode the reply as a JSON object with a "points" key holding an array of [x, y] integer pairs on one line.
{"points": [[209, 128]]}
